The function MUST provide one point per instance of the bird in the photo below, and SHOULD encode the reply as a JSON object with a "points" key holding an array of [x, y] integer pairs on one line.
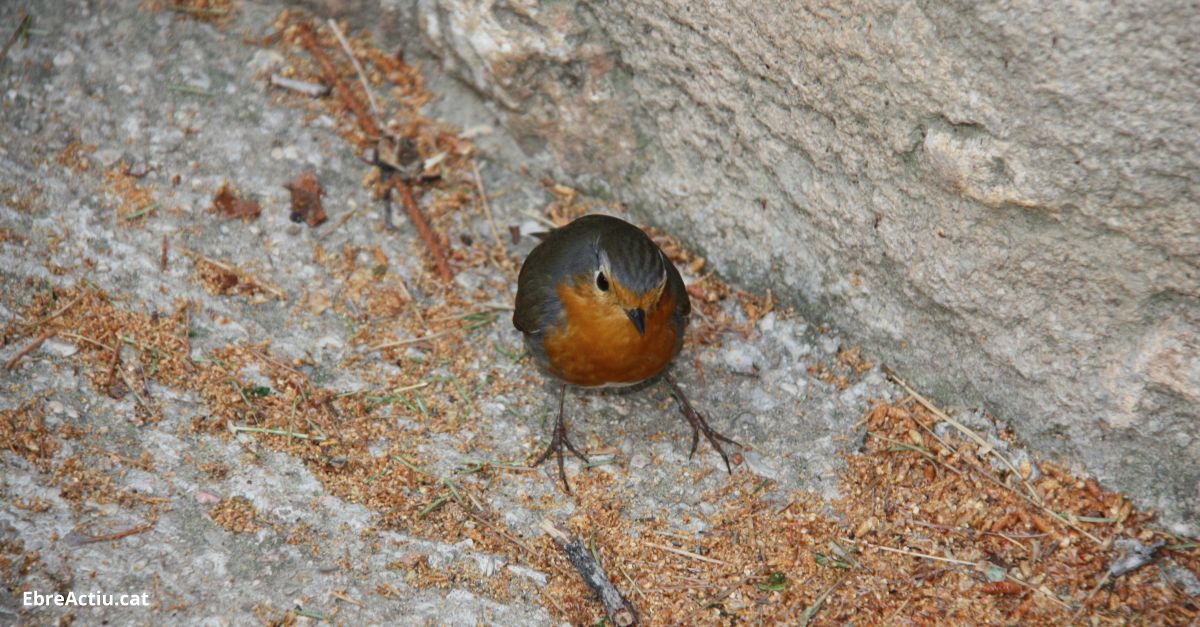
{"points": [[600, 305]]}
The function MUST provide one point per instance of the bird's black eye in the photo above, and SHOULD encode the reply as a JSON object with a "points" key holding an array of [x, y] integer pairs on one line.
{"points": [[601, 281]]}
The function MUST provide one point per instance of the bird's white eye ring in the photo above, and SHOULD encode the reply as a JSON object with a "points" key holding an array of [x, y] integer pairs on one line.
{"points": [[601, 281]]}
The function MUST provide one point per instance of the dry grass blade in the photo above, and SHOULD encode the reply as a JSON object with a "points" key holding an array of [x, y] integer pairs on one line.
{"points": [[695, 556]]}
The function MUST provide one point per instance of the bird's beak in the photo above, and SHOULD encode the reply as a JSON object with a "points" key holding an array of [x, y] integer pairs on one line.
{"points": [[638, 317]]}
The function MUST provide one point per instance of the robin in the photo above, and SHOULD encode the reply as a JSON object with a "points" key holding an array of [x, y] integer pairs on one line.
{"points": [[600, 305]]}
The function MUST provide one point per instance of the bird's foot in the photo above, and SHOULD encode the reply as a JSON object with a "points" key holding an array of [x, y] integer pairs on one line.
{"points": [[557, 443], [700, 425]]}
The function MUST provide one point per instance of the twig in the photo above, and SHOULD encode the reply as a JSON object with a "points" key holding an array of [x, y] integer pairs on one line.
{"points": [[362, 77], [22, 27], [337, 225], [1083, 604], [314, 90], [618, 609], [224, 267], [812, 610], [201, 11], [633, 583], [950, 560], [1032, 498], [60, 311], [82, 338], [487, 212], [418, 218], [411, 340], [540, 218], [339, 594], [28, 349], [86, 539], [684, 553], [970, 433], [309, 41], [917, 449], [292, 434]]}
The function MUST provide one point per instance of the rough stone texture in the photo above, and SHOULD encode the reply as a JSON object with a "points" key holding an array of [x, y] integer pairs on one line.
{"points": [[1000, 199]]}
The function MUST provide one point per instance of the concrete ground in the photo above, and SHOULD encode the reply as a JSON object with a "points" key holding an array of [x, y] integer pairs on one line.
{"points": [[177, 97]]}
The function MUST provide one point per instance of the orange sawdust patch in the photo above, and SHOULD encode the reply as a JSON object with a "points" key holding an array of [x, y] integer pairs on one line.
{"points": [[75, 156], [23, 432], [218, 12], [236, 514], [133, 202], [221, 278], [927, 531], [15, 563]]}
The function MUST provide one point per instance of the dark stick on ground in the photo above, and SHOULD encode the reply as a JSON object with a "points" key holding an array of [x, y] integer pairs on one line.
{"points": [[618, 609]]}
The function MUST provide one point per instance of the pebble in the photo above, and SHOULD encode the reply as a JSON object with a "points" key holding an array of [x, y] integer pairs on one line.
{"points": [[207, 498], [759, 466], [741, 358], [59, 349], [64, 58]]}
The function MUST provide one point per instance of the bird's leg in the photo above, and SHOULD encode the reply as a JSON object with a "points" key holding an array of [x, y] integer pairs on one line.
{"points": [[559, 440], [699, 424]]}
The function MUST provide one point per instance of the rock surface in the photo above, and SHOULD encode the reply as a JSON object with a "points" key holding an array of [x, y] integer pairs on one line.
{"points": [[1000, 200]]}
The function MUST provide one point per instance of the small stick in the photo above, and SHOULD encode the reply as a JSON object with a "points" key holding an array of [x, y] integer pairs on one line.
{"points": [[22, 27], [916, 449], [961, 428], [958, 562], [411, 340], [927, 556], [339, 594], [114, 536], [362, 77], [293, 434], [263, 285], [812, 610], [28, 349], [309, 41], [200, 11], [344, 219], [618, 609], [60, 311], [1032, 498], [632, 582], [684, 553], [1083, 604], [313, 90], [487, 212], [422, 224]]}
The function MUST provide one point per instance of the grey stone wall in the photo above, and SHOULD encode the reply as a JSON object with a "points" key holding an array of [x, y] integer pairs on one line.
{"points": [[999, 199]]}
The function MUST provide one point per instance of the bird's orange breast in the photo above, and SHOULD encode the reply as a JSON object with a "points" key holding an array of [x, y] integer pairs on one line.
{"points": [[598, 345]]}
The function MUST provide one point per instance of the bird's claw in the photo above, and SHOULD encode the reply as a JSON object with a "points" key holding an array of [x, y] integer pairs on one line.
{"points": [[557, 442], [699, 425]]}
